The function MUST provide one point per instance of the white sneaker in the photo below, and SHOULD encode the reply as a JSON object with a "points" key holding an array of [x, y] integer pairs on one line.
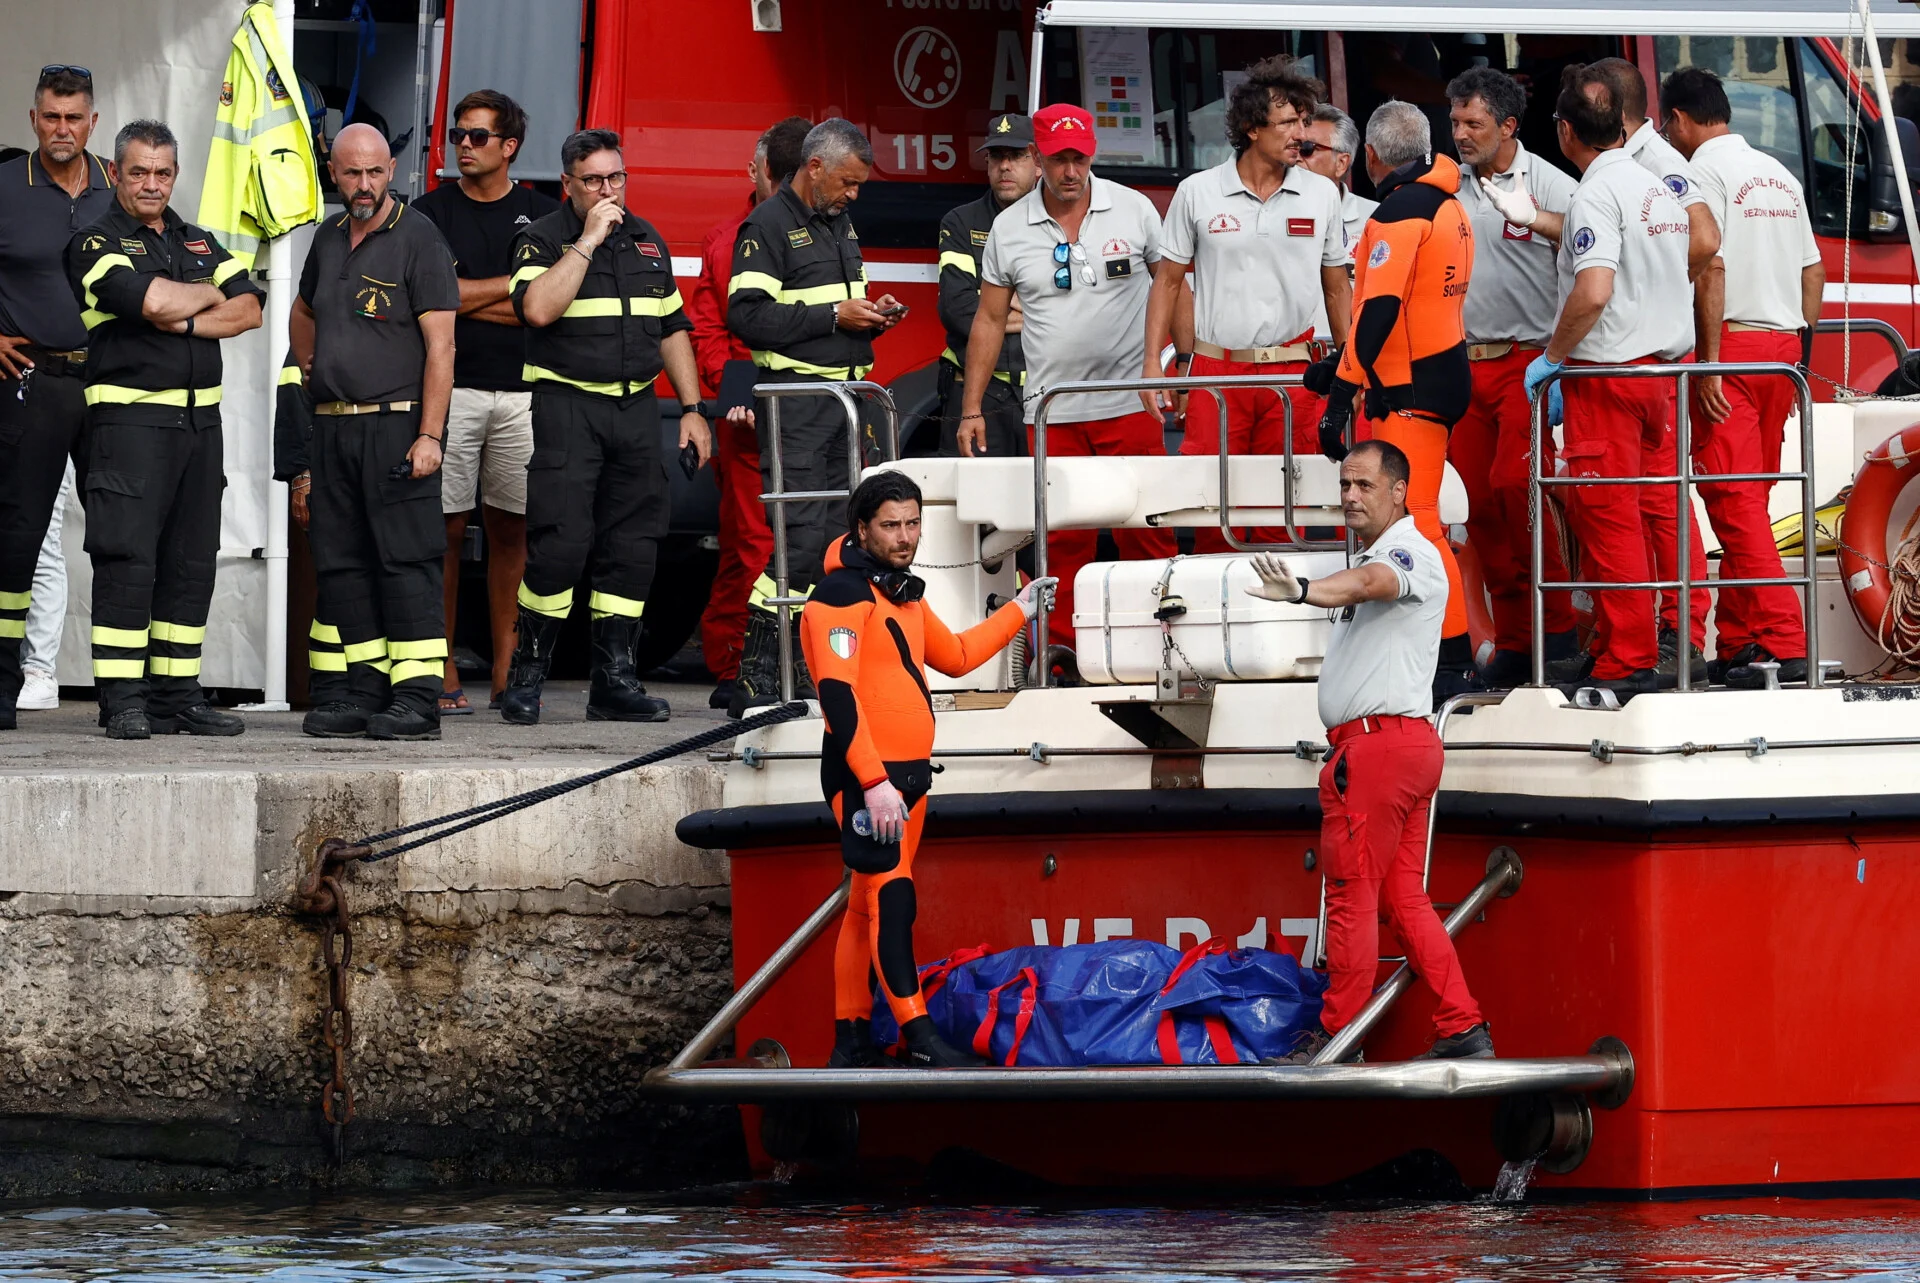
{"points": [[39, 693]]}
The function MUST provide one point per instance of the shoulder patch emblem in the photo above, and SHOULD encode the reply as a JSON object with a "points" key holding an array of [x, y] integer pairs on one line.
{"points": [[1582, 240], [226, 93], [843, 642], [851, 234], [133, 246], [799, 237], [979, 237], [93, 242], [1677, 184], [529, 250], [198, 247], [1401, 558], [1380, 254], [748, 246], [274, 86]]}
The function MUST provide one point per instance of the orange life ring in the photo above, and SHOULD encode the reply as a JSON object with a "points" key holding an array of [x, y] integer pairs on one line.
{"points": [[1888, 469]]}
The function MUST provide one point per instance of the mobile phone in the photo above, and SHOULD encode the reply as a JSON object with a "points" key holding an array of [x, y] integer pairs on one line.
{"points": [[897, 310], [690, 459], [401, 471]]}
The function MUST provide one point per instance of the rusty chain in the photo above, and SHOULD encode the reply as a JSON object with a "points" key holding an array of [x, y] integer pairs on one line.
{"points": [[321, 895]]}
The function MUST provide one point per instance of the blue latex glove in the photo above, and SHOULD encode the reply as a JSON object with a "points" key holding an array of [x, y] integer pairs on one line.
{"points": [[1537, 374]]}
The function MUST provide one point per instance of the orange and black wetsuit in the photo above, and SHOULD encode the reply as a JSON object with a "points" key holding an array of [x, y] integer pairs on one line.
{"points": [[1408, 343], [866, 648]]}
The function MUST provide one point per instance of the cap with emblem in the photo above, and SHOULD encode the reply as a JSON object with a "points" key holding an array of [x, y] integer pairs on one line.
{"points": [[1063, 127], [1009, 130]]}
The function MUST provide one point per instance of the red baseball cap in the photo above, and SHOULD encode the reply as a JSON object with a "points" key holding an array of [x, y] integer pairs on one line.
{"points": [[1063, 127]]}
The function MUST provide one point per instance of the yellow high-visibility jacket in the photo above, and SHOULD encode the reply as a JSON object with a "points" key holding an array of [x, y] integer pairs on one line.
{"points": [[261, 177]]}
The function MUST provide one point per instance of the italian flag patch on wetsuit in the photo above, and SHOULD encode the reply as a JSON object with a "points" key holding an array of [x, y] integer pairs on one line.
{"points": [[842, 642]]}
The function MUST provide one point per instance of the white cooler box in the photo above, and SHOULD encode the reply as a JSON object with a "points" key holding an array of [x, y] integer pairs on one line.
{"points": [[1225, 635]]}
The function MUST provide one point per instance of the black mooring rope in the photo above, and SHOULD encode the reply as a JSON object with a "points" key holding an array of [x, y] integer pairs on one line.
{"points": [[488, 812]]}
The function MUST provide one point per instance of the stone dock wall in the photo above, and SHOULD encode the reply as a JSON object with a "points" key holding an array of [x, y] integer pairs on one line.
{"points": [[160, 1001]]}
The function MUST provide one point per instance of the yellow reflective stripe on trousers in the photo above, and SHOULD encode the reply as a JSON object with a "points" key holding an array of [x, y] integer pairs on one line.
{"points": [[430, 648], [326, 661], [125, 638], [413, 669], [16, 600], [603, 604], [366, 652], [119, 668], [323, 632], [555, 606], [540, 374], [636, 306], [13, 628], [173, 666], [524, 274], [953, 258], [776, 361], [180, 634], [108, 394]]}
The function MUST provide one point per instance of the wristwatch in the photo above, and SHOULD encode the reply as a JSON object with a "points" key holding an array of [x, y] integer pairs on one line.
{"points": [[693, 407]]}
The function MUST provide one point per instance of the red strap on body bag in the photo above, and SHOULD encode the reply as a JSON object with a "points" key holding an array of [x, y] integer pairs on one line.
{"points": [[1217, 1033], [983, 1036]]}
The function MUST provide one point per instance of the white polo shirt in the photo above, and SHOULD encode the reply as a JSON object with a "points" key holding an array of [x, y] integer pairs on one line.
{"points": [[1096, 331], [1624, 218], [1766, 236], [1256, 264], [1354, 213], [1381, 656], [1657, 156], [1516, 293]]}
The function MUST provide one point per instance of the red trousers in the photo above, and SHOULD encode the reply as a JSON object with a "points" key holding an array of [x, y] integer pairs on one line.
{"points": [[1068, 550], [1490, 449], [745, 544], [1424, 442], [1375, 790], [1256, 424], [1624, 428], [1748, 440]]}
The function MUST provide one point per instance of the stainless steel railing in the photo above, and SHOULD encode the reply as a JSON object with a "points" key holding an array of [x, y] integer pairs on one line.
{"points": [[1038, 673], [1866, 325], [849, 394], [1683, 481]]}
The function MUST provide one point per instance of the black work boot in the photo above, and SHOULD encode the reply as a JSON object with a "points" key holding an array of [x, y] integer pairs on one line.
{"points": [[1475, 1043], [616, 694], [1508, 669], [338, 719], [853, 1047], [405, 720], [532, 653], [128, 724], [759, 681], [199, 719], [1744, 676], [926, 1049], [1669, 666], [1643, 682], [1574, 668], [1717, 669]]}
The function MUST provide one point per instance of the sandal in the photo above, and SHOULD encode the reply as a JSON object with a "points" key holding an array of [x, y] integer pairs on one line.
{"points": [[453, 703]]}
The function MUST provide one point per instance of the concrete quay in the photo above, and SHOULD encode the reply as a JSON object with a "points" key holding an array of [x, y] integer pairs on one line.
{"points": [[160, 1002]]}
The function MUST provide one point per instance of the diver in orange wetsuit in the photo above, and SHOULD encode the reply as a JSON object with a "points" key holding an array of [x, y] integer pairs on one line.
{"points": [[867, 637]]}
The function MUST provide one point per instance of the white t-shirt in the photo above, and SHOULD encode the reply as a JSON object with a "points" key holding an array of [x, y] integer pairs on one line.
{"points": [[1256, 264], [1515, 294], [1766, 235], [1656, 155], [1094, 331], [1381, 656], [1624, 218], [1354, 213]]}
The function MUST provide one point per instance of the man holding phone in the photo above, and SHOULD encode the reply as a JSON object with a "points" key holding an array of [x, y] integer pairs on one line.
{"points": [[594, 285]]}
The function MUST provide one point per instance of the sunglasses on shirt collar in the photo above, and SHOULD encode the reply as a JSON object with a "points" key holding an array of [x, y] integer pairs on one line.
{"points": [[1071, 252]]}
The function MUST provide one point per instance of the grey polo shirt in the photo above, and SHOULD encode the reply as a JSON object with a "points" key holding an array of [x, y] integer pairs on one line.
{"points": [[1091, 331], [1657, 156], [1514, 295], [1624, 218], [1354, 213], [367, 301], [1256, 264], [37, 219], [1381, 656]]}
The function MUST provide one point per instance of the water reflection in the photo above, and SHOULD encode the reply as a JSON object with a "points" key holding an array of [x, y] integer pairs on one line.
{"points": [[524, 1237]]}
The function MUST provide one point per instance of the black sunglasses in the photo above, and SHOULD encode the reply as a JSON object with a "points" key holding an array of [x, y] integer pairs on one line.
{"points": [[1308, 146], [62, 69], [480, 137]]}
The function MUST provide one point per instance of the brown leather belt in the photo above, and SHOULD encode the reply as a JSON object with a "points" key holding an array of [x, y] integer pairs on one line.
{"points": [[1494, 351], [1275, 355], [1741, 327], [71, 362], [358, 407]]}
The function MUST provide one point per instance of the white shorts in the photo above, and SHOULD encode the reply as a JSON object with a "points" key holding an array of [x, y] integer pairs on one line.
{"points": [[489, 441]]}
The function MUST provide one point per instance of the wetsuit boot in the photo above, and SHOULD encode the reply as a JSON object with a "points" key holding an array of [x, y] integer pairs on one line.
{"points": [[853, 1047], [926, 1049], [532, 653], [616, 694]]}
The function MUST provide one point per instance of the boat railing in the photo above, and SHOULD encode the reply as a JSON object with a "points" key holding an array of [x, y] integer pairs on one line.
{"points": [[1683, 481], [1866, 325], [849, 394]]}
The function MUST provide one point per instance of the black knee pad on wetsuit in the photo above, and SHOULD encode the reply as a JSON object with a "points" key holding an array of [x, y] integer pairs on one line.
{"points": [[897, 911]]}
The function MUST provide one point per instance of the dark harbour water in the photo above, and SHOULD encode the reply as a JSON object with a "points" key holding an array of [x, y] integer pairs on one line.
{"points": [[766, 1235]]}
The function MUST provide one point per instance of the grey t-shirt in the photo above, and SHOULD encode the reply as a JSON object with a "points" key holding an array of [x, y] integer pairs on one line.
{"points": [[1092, 330], [1514, 295], [1381, 656]]}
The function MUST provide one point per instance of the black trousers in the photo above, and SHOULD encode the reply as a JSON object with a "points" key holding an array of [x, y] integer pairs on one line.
{"points": [[597, 502], [999, 405], [377, 547], [813, 456], [153, 532], [42, 425]]}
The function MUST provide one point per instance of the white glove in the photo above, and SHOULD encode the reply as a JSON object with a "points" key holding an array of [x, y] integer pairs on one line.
{"points": [[887, 811], [1277, 580], [1515, 206], [1029, 597]]}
